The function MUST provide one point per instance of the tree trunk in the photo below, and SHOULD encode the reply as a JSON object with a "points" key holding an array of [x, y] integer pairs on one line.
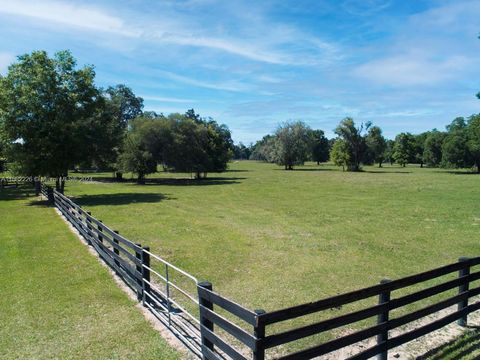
{"points": [[318, 162], [379, 164], [403, 165], [118, 175], [141, 179]]}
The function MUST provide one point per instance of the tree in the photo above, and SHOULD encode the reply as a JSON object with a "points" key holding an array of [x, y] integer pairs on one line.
{"points": [[418, 148], [136, 158], [404, 149], [389, 151], [54, 128], [219, 146], [320, 146], [354, 141], [340, 154], [264, 149], [376, 145], [242, 152], [473, 143], [121, 107], [292, 144], [432, 153], [197, 145], [123, 103], [455, 151]]}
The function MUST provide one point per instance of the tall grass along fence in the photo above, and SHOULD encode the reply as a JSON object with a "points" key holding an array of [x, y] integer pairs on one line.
{"points": [[364, 323]]}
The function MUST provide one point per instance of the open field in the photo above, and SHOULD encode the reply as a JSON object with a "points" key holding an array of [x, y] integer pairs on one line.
{"points": [[56, 300], [270, 238], [273, 238]]}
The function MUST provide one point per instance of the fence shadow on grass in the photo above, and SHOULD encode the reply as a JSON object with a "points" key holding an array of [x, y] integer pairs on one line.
{"points": [[120, 199], [463, 347], [177, 181], [14, 192], [386, 172], [458, 172], [42, 202], [312, 169], [196, 182]]}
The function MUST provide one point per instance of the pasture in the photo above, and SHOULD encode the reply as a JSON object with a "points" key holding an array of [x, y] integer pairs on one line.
{"points": [[57, 301], [271, 238]]}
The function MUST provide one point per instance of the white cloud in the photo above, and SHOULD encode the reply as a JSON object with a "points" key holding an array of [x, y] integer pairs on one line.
{"points": [[68, 14], [167, 99], [234, 86], [228, 45], [412, 69], [5, 60], [182, 30]]}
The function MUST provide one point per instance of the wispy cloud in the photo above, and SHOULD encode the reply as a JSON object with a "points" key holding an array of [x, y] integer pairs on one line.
{"points": [[162, 31], [234, 86], [166, 99], [411, 69], [80, 16]]}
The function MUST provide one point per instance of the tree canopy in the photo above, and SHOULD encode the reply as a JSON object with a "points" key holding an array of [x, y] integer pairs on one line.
{"points": [[50, 112], [353, 142], [180, 143]]}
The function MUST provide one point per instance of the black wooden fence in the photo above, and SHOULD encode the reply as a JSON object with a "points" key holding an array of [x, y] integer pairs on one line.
{"points": [[230, 331]]}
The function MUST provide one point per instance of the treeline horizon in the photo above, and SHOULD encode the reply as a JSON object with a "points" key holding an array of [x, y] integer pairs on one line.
{"points": [[295, 142]]}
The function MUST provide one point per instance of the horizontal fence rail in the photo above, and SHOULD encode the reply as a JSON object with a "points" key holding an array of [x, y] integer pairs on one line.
{"points": [[381, 310], [213, 327]]}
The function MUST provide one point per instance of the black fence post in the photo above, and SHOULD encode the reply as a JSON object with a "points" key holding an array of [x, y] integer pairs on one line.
{"points": [[146, 273], [115, 250], [204, 322], [464, 286], [100, 230], [89, 226], [139, 274], [259, 333], [382, 338], [51, 199], [37, 187]]}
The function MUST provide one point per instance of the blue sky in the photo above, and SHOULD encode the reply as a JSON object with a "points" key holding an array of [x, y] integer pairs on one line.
{"points": [[404, 65]]}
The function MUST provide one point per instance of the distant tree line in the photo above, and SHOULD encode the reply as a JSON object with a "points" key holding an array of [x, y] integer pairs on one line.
{"points": [[293, 143], [53, 118]]}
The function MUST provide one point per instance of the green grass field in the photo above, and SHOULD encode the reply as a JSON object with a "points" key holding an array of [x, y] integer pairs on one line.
{"points": [[272, 238], [57, 301], [269, 238]]}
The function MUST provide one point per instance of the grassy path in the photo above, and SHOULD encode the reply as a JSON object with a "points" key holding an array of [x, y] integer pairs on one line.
{"points": [[56, 300]]}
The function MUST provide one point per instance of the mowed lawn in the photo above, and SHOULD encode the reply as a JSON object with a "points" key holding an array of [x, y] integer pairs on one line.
{"points": [[270, 238], [57, 301]]}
